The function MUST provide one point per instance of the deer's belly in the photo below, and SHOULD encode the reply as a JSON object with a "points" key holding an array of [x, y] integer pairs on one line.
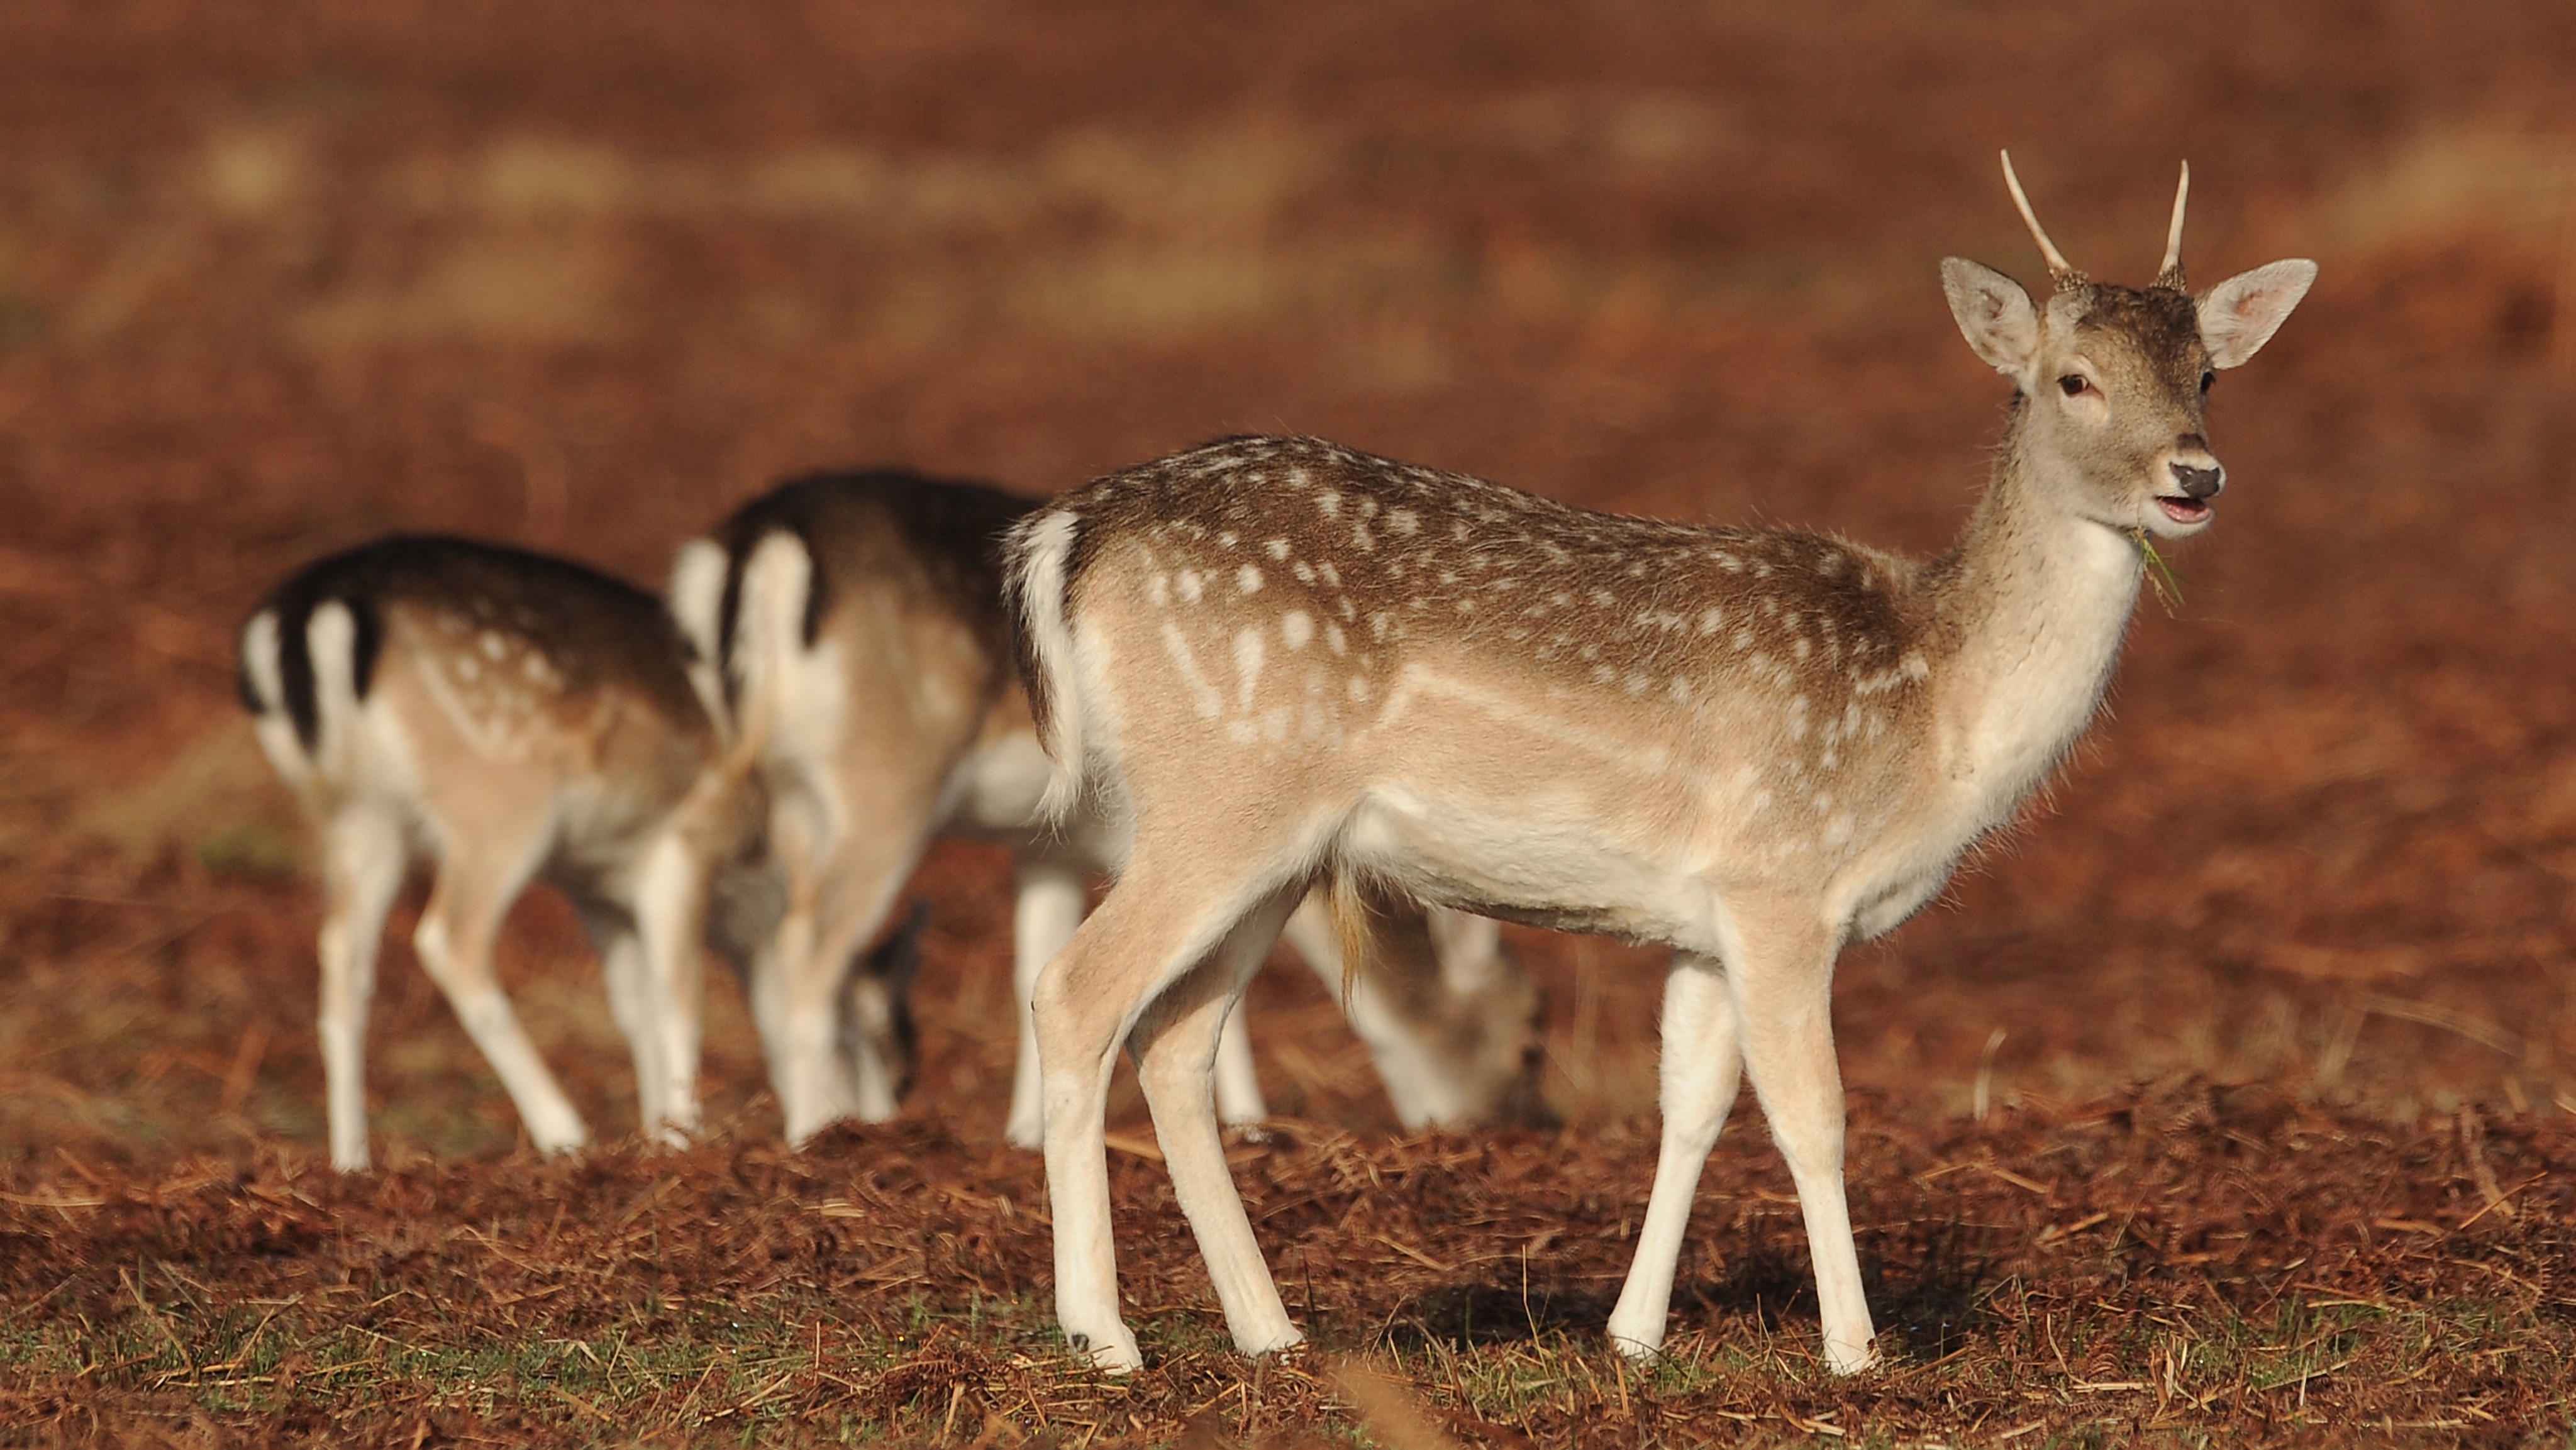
{"points": [[1529, 864]]}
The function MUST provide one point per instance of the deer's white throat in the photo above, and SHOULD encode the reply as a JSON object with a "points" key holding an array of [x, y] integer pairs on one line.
{"points": [[2033, 659]]}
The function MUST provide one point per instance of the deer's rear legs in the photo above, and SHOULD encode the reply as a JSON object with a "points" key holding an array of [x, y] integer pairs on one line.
{"points": [[455, 945], [1178, 1054], [362, 869], [1146, 936]]}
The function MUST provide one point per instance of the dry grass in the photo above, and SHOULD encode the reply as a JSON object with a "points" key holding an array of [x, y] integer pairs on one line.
{"points": [[2187, 1258]]}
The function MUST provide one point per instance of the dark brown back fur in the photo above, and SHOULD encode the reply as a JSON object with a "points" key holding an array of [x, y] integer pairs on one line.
{"points": [[876, 524], [592, 628]]}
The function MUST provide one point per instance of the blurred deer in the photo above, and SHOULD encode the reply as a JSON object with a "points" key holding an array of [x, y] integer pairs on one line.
{"points": [[852, 628], [510, 716], [1276, 660]]}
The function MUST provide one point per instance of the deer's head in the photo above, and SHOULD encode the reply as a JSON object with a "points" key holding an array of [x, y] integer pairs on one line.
{"points": [[2114, 382]]}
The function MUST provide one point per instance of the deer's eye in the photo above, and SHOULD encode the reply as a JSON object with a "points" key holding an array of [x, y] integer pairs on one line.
{"points": [[2074, 385]]}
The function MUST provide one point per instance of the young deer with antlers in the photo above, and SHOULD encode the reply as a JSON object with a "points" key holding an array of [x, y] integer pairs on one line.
{"points": [[853, 626], [1276, 660]]}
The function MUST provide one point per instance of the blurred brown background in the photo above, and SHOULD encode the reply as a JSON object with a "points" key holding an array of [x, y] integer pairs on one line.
{"points": [[278, 277]]}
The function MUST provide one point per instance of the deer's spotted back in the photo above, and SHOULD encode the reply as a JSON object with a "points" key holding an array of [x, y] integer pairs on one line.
{"points": [[1291, 582]]}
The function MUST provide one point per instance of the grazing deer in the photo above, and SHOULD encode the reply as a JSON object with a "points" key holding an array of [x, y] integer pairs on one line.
{"points": [[1275, 660], [852, 626], [509, 715]]}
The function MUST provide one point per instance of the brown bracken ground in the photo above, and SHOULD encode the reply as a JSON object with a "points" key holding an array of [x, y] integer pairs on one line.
{"points": [[2232, 1096]]}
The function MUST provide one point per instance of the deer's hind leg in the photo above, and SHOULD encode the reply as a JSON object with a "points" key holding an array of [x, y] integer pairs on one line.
{"points": [[1157, 925], [480, 872], [1046, 911], [363, 860], [612, 931], [670, 911], [1179, 1044], [846, 841]]}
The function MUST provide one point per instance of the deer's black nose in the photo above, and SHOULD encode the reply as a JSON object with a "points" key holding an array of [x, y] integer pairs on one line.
{"points": [[2198, 482]]}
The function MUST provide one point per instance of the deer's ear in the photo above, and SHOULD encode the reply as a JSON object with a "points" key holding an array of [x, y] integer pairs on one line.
{"points": [[1994, 314], [2240, 314]]}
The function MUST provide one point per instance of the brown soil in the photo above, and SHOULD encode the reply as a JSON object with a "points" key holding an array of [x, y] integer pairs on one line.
{"points": [[2283, 962]]}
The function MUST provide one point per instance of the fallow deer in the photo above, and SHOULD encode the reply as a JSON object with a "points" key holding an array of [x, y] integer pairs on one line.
{"points": [[1274, 660], [509, 715], [852, 628]]}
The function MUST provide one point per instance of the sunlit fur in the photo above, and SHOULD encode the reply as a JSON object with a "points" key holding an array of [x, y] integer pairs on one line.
{"points": [[1278, 659], [857, 626], [507, 716]]}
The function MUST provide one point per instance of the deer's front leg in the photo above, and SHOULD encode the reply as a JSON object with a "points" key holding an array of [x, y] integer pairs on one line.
{"points": [[1782, 984], [1701, 1067]]}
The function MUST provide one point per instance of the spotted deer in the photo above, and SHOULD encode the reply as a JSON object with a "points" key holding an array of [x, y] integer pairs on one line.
{"points": [[1276, 660], [509, 716], [852, 627]]}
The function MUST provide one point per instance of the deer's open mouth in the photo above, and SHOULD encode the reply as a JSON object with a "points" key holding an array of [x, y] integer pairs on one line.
{"points": [[2184, 510]]}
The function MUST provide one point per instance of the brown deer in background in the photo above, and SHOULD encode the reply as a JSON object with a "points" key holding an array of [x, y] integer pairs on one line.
{"points": [[852, 627], [1273, 661], [509, 716]]}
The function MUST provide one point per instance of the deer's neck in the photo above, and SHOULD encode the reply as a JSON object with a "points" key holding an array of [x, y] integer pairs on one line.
{"points": [[2028, 611]]}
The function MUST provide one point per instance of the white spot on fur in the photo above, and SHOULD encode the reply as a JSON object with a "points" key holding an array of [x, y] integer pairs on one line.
{"points": [[1248, 651], [1248, 580], [1203, 696], [1278, 549], [1193, 584], [1297, 627]]}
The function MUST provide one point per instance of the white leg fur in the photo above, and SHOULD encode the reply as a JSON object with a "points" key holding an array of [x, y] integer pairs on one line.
{"points": [[1781, 982], [455, 946], [1045, 914], [622, 970], [1701, 1068], [1238, 1081], [670, 899], [1079, 1032], [362, 868], [1177, 1048]]}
